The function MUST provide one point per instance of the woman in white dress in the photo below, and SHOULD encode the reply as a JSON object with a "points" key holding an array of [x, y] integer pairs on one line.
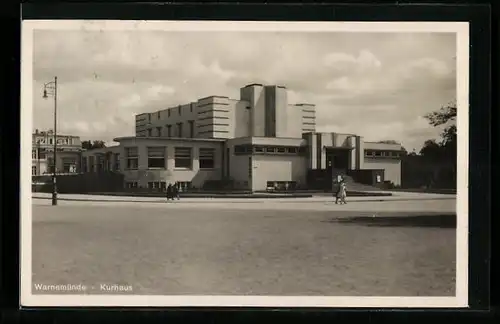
{"points": [[343, 193]]}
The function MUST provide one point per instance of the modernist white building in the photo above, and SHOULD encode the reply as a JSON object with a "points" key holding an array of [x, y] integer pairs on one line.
{"points": [[251, 142]]}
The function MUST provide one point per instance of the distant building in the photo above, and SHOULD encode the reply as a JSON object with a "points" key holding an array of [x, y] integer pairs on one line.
{"points": [[68, 155], [255, 142]]}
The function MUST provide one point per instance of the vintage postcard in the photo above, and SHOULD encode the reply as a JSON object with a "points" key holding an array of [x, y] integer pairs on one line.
{"points": [[268, 164]]}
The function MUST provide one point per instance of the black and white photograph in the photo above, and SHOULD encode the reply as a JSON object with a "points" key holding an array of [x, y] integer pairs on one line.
{"points": [[237, 164]]}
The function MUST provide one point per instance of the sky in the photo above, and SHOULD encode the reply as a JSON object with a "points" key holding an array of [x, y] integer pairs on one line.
{"points": [[377, 85]]}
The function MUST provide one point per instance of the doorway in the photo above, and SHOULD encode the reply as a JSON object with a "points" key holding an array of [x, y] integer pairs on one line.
{"points": [[337, 159]]}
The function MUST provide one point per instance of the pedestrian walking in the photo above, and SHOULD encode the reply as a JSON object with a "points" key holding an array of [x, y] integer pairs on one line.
{"points": [[175, 191], [341, 193], [170, 192]]}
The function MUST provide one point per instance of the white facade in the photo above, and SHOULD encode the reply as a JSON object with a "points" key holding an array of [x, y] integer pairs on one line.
{"points": [[68, 155], [256, 140]]}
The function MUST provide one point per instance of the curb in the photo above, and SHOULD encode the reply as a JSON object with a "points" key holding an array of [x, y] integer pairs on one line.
{"points": [[233, 202]]}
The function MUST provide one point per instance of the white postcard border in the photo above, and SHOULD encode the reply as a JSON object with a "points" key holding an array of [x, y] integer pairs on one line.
{"points": [[28, 299]]}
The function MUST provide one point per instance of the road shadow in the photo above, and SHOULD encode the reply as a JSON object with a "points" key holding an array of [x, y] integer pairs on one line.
{"points": [[424, 220]]}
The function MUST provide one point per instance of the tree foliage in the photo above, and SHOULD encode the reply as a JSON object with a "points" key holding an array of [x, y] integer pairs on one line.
{"points": [[435, 163], [89, 145], [446, 148], [446, 116]]}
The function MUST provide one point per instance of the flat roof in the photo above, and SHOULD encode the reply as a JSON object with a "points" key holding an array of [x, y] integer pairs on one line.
{"points": [[331, 147], [254, 84], [187, 139], [224, 97]]}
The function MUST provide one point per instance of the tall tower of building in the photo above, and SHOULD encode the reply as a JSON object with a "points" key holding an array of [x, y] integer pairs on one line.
{"points": [[269, 109], [255, 95]]}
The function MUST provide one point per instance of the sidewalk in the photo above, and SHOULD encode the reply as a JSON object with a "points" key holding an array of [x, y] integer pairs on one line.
{"points": [[397, 196]]}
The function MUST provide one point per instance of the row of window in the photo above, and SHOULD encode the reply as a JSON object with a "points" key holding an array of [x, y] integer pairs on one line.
{"points": [[99, 163], [183, 157], [169, 113], [167, 132], [250, 149], [161, 185], [382, 153], [67, 168], [50, 141], [40, 155]]}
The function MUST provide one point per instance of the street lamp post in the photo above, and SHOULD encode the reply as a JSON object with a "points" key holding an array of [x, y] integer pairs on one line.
{"points": [[50, 89]]}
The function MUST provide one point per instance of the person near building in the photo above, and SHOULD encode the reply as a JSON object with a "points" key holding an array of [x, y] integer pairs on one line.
{"points": [[170, 194], [175, 191], [341, 192]]}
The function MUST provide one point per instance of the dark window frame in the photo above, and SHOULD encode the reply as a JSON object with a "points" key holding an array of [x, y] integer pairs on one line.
{"points": [[156, 157], [181, 159], [206, 158], [132, 159]]}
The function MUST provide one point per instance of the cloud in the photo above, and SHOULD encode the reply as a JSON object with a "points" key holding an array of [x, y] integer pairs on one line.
{"points": [[378, 85]]}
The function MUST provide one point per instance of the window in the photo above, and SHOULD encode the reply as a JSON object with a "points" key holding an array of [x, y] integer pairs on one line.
{"points": [[69, 165], [183, 157], [169, 130], [281, 150], [33, 154], [100, 163], [239, 149], [132, 156], [158, 116], [84, 164], [169, 112], [292, 150], [117, 161], [184, 186], [191, 128], [158, 131], [259, 149], [33, 170], [270, 150], [207, 158], [150, 132], [378, 154], [131, 184], [191, 107], [156, 157], [51, 141], [179, 130], [91, 163], [180, 110], [50, 166], [242, 149]]}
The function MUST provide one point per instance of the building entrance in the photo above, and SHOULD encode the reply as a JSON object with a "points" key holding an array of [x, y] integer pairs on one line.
{"points": [[338, 159]]}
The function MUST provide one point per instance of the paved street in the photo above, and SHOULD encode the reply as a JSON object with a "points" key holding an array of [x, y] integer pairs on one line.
{"points": [[266, 247]]}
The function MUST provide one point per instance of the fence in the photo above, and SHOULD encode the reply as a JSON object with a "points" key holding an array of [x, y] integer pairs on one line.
{"points": [[80, 183]]}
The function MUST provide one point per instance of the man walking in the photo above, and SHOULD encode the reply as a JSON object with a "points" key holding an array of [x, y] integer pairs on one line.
{"points": [[175, 191], [170, 192]]}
